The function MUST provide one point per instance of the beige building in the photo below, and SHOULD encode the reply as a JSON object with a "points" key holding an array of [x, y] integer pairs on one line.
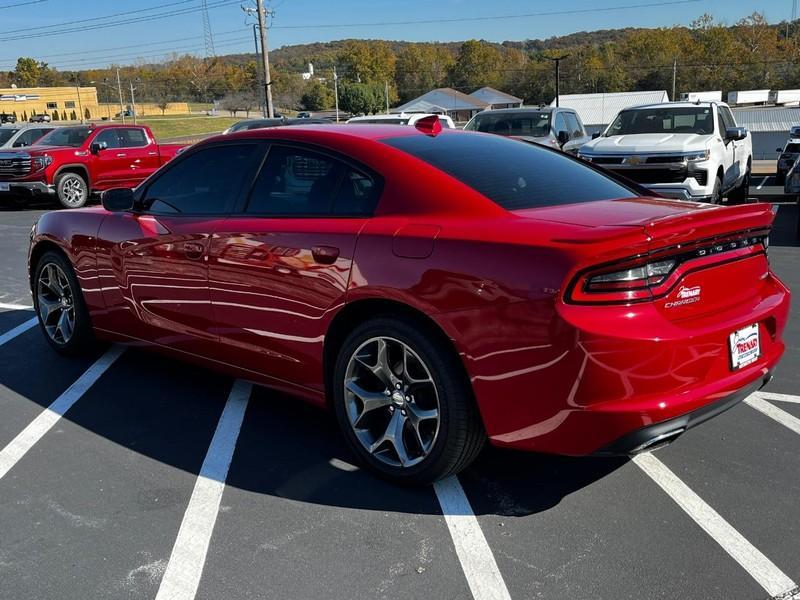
{"points": [[61, 103]]}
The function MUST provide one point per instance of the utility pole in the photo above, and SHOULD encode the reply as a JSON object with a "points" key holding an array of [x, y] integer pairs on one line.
{"points": [[78, 90], [674, 76], [262, 100], [386, 93], [119, 89], [557, 60], [262, 26], [133, 102], [336, 91]]}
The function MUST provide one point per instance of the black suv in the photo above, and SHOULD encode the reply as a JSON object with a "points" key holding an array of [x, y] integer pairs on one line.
{"points": [[7, 118]]}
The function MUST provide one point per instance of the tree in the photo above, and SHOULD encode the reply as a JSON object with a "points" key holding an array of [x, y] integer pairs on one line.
{"points": [[478, 64], [28, 72], [367, 62], [420, 68], [317, 97], [361, 98], [55, 115], [87, 114], [239, 102]]}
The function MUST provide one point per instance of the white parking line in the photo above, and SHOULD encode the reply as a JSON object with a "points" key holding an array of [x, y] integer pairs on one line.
{"points": [[761, 185], [477, 561], [19, 446], [778, 397], [19, 329], [760, 568], [185, 567], [773, 412], [7, 306]]}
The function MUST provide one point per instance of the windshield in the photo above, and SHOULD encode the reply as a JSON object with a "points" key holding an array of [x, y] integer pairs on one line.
{"points": [[531, 124], [66, 136], [397, 121], [792, 148], [698, 120], [5, 134], [512, 174]]}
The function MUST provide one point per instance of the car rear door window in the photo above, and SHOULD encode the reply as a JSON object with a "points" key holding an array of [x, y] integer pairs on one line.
{"points": [[132, 138], [515, 175], [206, 181], [108, 136], [300, 182]]}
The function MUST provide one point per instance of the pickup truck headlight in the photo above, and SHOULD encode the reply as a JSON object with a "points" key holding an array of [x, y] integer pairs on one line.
{"points": [[585, 157], [698, 156], [41, 162]]}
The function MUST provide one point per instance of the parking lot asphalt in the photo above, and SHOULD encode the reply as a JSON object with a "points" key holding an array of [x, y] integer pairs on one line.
{"points": [[122, 489]]}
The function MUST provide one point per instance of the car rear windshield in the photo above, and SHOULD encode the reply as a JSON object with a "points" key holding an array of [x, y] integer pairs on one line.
{"points": [[512, 173], [532, 124], [698, 120], [66, 136]]}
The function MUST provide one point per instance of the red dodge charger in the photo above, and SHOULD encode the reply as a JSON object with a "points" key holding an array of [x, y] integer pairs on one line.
{"points": [[433, 288]]}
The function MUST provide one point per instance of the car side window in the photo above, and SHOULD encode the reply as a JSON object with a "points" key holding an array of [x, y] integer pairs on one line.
{"points": [[573, 126], [109, 136], [132, 138], [28, 138], [296, 181], [560, 124], [727, 117], [207, 181]]}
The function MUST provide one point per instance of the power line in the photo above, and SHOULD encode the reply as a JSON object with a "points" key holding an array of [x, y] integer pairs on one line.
{"points": [[488, 18], [28, 3]]}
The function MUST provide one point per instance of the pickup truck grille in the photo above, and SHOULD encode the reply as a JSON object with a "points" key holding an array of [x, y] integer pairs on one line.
{"points": [[654, 175], [14, 166]]}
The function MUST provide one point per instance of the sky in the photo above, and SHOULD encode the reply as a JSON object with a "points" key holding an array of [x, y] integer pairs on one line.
{"points": [[76, 35]]}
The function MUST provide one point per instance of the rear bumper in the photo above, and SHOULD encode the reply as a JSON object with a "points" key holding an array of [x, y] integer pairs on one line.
{"points": [[660, 434], [30, 188]]}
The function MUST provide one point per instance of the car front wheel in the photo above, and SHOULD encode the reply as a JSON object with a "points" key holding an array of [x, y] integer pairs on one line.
{"points": [[404, 403], [59, 305]]}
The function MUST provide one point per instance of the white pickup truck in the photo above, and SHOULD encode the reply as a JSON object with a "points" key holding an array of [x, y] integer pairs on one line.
{"points": [[686, 150]]}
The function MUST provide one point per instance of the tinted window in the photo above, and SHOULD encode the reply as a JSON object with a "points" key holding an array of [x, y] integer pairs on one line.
{"points": [[5, 134], [513, 174], [792, 148], [671, 119], [573, 126], [559, 124], [727, 117], [533, 124], [66, 136], [132, 138], [29, 137], [205, 182], [108, 136], [295, 181]]}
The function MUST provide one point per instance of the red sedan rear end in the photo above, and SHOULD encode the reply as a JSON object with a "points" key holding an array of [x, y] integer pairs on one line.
{"points": [[434, 288]]}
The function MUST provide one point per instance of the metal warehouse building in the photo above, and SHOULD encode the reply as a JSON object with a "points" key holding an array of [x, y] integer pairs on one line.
{"points": [[769, 127]]}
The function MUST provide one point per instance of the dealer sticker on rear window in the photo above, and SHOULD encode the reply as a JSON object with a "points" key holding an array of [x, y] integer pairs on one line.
{"points": [[745, 346]]}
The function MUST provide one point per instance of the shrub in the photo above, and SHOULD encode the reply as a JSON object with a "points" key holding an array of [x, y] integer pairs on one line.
{"points": [[63, 115], [25, 115], [55, 115], [73, 116], [87, 115]]}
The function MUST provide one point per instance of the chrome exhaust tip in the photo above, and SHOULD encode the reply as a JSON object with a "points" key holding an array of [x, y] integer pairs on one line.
{"points": [[658, 441]]}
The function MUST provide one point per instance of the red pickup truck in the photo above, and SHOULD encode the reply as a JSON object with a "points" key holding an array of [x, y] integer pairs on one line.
{"points": [[72, 162]]}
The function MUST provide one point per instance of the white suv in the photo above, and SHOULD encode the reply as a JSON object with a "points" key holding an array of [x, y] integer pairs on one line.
{"points": [[686, 150]]}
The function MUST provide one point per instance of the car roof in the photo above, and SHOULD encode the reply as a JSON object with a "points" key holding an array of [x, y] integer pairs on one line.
{"points": [[525, 109], [706, 104], [367, 131]]}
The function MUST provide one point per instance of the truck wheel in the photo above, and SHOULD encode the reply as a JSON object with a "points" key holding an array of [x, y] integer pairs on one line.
{"points": [[716, 195], [780, 179], [741, 193], [72, 190]]}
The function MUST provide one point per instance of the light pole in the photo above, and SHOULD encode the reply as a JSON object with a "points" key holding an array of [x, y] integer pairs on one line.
{"points": [[78, 90], [557, 60]]}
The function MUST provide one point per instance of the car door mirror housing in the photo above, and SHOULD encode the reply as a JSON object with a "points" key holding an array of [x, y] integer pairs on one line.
{"points": [[735, 133], [97, 147], [563, 137], [595, 135], [118, 199]]}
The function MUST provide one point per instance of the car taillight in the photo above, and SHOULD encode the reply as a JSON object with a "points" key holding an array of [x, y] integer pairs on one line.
{"points": [[636, 277], [41, 162]]}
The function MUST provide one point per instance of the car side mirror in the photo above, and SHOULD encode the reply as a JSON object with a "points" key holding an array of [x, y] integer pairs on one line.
{"points": [[563, 137], [118, 199], [595, 135], [735, 133], [779, 150], [96, 147]]}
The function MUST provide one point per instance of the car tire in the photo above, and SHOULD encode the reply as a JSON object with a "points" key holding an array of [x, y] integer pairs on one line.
{"points": [[716, 195], [60, 307], [432, 412], [72, 190], [741, 193], [780, 179]]}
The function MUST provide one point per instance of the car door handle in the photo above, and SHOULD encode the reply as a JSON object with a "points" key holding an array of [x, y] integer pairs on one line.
{"points": [[325, 255], [152, 153], [121, 155], [193, 250]]}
